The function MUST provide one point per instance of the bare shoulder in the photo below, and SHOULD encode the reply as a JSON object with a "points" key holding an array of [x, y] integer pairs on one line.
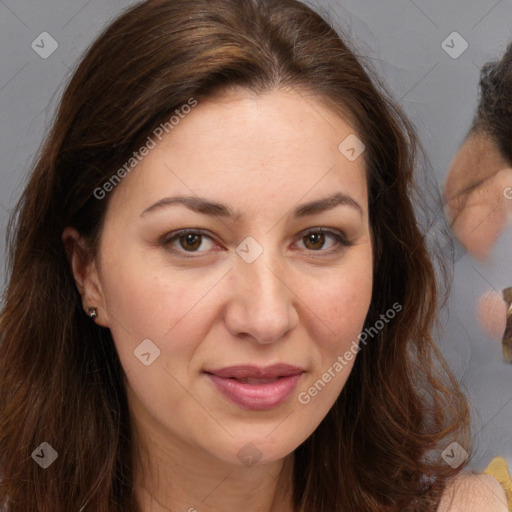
{"points": [[471, 492]]}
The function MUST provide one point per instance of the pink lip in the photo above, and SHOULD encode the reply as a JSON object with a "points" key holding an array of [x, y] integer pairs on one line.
{"points": [[256, 396]]}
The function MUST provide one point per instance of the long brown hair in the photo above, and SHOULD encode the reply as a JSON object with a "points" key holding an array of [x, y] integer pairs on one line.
{"points": [[61, 381]]}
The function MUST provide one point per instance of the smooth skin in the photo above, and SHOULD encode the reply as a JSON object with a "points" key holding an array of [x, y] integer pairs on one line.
{"points": [[303, 301], [474, 493]]}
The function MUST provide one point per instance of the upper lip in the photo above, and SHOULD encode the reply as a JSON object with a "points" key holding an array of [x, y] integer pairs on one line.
{"points": [[249, 371]]}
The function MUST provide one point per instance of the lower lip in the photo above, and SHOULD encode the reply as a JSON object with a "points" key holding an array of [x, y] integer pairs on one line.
{"points": [[258, 397]]}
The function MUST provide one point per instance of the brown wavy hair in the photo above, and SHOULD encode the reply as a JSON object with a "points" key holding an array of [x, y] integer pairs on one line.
{"points": [[61, 381]]}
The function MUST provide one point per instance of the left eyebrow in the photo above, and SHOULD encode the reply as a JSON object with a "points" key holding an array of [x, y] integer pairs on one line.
{"points": [[212, 208], [321, 205]]}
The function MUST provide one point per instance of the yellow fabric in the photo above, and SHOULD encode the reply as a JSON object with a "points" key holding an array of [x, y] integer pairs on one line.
{"points": [[499, 470]]}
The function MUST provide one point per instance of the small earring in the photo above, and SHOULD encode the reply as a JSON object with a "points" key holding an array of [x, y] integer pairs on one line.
{"points": [[92, 312]]}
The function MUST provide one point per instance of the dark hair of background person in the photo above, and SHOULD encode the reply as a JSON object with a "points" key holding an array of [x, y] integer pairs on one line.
{"points": [[60, 377], [494, 113]]}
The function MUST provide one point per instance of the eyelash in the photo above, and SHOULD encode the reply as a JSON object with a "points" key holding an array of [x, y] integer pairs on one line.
{"points": [[338, 236]]}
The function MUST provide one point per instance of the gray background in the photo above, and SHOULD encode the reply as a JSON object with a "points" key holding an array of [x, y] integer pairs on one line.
{"points": [[401, 40]]}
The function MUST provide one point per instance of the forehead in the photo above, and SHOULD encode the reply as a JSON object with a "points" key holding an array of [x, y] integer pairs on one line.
{"points": [[242, 146], [287, 124]]}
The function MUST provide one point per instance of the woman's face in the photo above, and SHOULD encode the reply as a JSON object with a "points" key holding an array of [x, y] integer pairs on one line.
{"points": [[195, 318]]}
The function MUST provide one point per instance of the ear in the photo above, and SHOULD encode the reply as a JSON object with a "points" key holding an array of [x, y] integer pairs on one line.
{"points": [[85, 272]]}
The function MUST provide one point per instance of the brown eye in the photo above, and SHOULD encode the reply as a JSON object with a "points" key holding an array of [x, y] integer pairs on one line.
{"points": [[314, 241], [187, 241], [190, 242]]}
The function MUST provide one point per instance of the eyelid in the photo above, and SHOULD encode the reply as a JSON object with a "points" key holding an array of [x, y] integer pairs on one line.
{"points": [[166, 240], [338, 235]]}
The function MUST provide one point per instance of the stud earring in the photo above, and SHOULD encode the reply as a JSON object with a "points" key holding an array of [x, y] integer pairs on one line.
{"points": [[92, 312]]}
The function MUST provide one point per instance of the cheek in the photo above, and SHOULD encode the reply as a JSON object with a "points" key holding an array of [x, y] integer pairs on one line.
{"points": [[149, 301], [155, 311], [340, 305], [143, 304], [338, 314]]}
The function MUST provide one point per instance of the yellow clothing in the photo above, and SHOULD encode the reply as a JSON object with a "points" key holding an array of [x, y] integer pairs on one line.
{"points": [[499, 470]]}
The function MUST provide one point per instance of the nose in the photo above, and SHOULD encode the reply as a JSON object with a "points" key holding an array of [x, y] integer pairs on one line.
{"points": [[262, 303]]}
